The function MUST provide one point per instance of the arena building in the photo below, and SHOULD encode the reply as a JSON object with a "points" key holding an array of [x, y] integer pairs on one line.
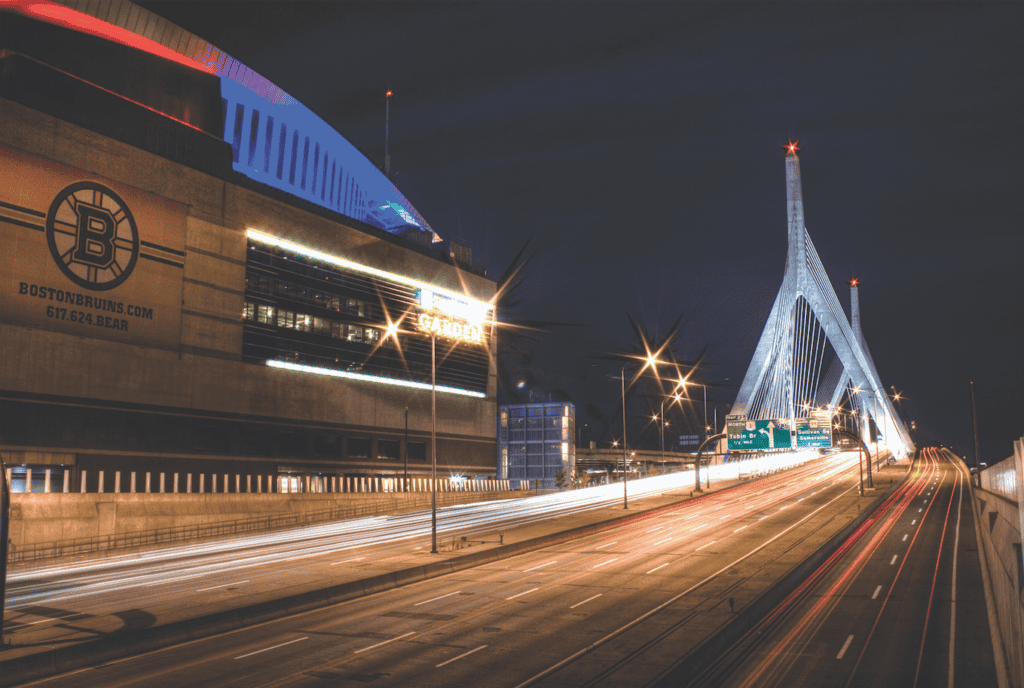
{"points": [[199, 275]]}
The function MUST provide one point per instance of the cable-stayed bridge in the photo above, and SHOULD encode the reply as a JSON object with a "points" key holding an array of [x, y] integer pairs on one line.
{"points": [[810, 357]]}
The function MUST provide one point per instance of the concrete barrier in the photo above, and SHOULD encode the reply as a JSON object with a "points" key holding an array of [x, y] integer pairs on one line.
{"points": [[998, 520], [48, 518]]}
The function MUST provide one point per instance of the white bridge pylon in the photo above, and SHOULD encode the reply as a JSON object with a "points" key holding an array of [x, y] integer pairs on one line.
{"points": [[806, 331]]}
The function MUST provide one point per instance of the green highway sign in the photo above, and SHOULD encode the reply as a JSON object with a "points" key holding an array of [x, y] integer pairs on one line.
{"points": [[756, 434], [815, 431]]}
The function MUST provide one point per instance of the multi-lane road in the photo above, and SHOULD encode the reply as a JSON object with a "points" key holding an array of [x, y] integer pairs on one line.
{"points": [[901, 604], [616, 607]]}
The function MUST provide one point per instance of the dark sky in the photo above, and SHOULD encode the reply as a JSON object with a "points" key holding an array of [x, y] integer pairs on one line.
{"points": [[640, 146]]}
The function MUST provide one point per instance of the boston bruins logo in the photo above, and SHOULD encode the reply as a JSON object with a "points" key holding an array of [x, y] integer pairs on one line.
{"points": [[92, 236]]}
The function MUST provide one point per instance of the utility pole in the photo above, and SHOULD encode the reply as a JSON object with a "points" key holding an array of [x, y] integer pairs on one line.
{"points": [[387, 123], [974, 418]]}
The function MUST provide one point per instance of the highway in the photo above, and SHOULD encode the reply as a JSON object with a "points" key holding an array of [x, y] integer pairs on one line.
{"points": [[527, 619], [95, 585], [900, 604]]}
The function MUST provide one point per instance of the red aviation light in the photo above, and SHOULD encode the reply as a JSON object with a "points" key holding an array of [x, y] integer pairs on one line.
{"points": [[854, 282], [389, 93], [792, 147], [60, 15]]}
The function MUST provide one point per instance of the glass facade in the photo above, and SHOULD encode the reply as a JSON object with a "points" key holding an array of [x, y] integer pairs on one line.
{"points": [[299, 310]]}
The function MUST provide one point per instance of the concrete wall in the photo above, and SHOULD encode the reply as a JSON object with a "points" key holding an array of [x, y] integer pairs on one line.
{"points": [[44, 518], [999, 524]]}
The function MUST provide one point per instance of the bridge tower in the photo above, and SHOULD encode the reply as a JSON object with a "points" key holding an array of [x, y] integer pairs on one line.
{"points": [[807, 332]]}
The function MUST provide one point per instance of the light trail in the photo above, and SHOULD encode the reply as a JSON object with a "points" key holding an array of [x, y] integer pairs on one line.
{"points": [[204, 561]]}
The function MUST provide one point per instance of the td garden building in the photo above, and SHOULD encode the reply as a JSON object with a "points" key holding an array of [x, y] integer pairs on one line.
{"points": [[199, 275]]}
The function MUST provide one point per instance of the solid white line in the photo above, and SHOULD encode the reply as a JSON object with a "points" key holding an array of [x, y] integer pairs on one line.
{"points": [[658, 567], [952, 600], [222, 585], [609, 544], [347, 561], [845, 645], [661, 541], [404, 635], [522, 593], [703, 546], [893, 560], [877, 590], [597, 566], [586, 600], [739, 529], [271, 648], [542, 566], [315, 554], [437, 598], [464, 654]]}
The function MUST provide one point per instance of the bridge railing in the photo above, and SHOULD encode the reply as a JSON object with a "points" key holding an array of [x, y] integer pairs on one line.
{"points": [[999, 523]]}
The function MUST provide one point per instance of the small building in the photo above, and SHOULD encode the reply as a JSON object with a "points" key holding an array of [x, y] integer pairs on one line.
{"points": [[535, 441]]}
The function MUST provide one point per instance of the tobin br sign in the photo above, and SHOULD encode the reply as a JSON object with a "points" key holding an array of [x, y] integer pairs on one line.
{"points": [[746, 434], [87, 256]]}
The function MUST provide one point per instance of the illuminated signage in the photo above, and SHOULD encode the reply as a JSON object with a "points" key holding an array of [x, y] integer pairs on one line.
{"points": [[450, 329], [451, 317]]}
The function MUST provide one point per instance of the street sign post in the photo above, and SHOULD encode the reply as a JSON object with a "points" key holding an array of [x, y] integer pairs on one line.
{"points": [[746, 434], [814, 431]]}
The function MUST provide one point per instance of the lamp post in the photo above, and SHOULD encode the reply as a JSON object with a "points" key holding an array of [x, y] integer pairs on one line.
{"points": [[625, 466], [433, 444]]}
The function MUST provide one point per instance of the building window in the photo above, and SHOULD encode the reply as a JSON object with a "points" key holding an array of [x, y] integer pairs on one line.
{"points": [[358, 448], [417, 451], [388, 449]]}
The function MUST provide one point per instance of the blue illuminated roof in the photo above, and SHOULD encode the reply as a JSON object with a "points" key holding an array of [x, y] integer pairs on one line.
{"points": [[287, 146], [275, 139]]}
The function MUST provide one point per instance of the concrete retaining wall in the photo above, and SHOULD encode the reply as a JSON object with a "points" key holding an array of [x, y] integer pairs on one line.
{"points": [[999, 536], [39, 518]]}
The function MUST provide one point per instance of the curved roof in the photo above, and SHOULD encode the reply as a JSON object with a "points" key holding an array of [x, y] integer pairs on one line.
{"points": [[275, 139]]}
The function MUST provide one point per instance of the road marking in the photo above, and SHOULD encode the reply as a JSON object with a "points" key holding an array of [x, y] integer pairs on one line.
{"points": [[586, 600], [347, 561], [725, 517], [654, 529], [522, 593], [763, 517], [404, 635], [877, 590], [222, 585], [658, 567], [601, 641], [606, 545], [739, 529], [464, 654], [437, 598], [597, 566], [893, 560], [913, 522], [904, 538], [920, 510], [661, 541], [845, 645], [542, 566], [703, 546], [316, 554], [271, 648]]}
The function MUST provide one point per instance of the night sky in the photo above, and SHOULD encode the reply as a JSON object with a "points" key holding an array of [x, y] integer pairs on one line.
{"points": [[639, 146]]}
